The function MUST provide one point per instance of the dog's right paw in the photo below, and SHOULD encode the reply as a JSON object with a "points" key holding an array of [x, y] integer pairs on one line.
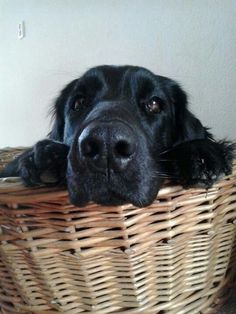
{"points": [[27, 170], [45, 164]]}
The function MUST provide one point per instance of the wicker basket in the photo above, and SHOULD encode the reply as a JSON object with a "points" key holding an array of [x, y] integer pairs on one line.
{"points": [[172, 257]]}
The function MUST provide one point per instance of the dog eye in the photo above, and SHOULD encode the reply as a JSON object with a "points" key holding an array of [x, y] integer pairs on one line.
{"points": [[78, 104], [154, 105]]}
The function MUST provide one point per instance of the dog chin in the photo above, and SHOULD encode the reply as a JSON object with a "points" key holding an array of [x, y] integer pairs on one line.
{"points": [[108, 199], [114, 200], [104, 193], [80, 199]]}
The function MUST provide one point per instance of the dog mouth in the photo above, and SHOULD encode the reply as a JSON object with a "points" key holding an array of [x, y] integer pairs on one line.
{"points": [[102, 193], [133, 186], [116, 192]]}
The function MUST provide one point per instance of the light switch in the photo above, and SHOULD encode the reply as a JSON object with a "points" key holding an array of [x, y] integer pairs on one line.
{"points": [[21, 30]]}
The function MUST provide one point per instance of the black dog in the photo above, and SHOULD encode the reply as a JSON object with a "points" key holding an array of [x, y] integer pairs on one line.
{"points": [[118, 133]]}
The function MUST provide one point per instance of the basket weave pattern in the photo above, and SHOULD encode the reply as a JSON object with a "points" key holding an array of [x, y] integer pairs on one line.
{"points": [[170, 257]]}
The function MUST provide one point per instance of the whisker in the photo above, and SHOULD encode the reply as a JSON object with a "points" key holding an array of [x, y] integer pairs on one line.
{"points": [[164, 160], [165, 175], [166, 151]]}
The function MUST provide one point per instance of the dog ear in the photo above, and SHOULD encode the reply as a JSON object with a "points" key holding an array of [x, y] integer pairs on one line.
{"points": [[194, 156], [57, 132], [185, 126]]}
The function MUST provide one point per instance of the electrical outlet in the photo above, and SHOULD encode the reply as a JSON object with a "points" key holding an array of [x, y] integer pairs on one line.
{"points": [[21, 30]]}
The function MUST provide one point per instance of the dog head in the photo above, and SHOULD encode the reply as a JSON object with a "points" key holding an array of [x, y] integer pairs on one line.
{"points": [[118, 121]]}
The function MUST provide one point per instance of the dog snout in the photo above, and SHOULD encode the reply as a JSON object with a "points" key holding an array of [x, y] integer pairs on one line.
{"points": [[105, 146]]}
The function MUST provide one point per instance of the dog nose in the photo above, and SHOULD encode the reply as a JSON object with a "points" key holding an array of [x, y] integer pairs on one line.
{"points": [[107, 145]]}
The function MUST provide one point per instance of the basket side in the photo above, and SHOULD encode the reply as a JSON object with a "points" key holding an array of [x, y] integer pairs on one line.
{"points": [[172, 257]]}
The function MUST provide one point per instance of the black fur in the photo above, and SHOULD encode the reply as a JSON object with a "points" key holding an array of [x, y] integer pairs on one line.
{"points": [[169, 144]]}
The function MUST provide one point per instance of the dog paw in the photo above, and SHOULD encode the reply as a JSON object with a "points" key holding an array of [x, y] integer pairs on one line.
{"points": [[201, 162], [203, 172], [211, 161], [45, 164]]}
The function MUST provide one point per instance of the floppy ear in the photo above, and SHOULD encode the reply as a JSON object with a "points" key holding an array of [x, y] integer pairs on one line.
{"points": [[194, 156], [57, 132], [185, 126]]}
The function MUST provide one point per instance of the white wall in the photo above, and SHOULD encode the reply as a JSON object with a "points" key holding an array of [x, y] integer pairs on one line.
{"points": [[193, 41]]}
